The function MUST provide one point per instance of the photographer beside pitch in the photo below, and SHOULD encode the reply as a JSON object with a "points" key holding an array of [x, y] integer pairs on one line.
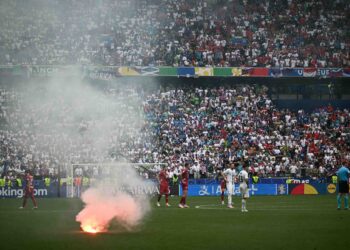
{"points": [[343, 185]]}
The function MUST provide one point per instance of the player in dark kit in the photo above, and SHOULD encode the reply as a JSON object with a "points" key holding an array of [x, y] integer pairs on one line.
{"points": [[163, 187], [184, 184], [28, 190]]}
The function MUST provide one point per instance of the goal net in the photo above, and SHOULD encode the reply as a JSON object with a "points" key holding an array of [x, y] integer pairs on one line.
{"points": [[81, 176]]}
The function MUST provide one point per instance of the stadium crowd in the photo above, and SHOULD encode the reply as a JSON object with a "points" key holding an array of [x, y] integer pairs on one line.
{"points": [[207, 127], [290, 33]]}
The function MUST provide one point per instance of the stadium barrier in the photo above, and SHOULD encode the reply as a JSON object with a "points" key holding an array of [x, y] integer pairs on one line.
{"points": [[40, 190], [316, 188], [204, 189], [110, 72], [254, 189]]}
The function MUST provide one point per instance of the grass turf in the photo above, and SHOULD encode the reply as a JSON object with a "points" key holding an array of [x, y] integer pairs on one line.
{"points": [[273, 222]]}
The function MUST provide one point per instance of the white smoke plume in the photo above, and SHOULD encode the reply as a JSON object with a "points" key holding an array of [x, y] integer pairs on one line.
{"points": [[65, 120]]}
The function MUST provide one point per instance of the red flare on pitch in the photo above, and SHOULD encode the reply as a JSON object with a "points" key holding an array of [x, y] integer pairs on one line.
{"points": [[92, 227], [100, 210]]}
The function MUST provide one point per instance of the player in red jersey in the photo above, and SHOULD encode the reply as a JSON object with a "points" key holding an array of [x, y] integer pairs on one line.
{"points": [[28, 190], [163, 187], [223, 188], [184, 184]]}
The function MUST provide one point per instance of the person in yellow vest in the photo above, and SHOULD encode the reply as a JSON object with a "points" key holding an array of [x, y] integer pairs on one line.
{"points": [[63, 181], [9, 182], [175, 179], [69, 181], [86, 181], [289, 180], [19, 182], [255, 178], [47, 181], [2, 182], [334, 179]]}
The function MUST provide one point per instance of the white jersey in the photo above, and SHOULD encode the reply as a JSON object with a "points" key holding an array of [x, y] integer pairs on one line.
{"points": [[243, 177], [243, 183], [229, 174]]}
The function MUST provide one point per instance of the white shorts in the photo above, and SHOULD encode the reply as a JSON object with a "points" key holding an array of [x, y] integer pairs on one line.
{"points": [[229, 188], [243, 188]]}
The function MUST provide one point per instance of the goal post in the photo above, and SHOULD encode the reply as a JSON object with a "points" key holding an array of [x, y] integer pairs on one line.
{"points": [[79, 176]]}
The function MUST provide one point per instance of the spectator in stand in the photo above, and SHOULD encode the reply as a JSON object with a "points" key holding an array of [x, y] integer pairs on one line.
{"points": [[211, 126], [175, 33]]}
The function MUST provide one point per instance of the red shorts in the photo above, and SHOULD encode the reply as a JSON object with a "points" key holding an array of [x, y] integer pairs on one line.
{"points": [[223, 186], [184, 187], [164, 189], [29, 192]]}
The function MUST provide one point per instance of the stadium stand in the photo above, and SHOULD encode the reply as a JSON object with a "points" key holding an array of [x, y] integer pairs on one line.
{"points": [[207, 127], [235, 33]]}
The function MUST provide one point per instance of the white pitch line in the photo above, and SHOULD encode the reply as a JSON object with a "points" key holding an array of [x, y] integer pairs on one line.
{"points": [[282, 208]]}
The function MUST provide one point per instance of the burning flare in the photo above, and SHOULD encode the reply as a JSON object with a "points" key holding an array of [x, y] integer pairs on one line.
{"points": [[92, 227], [100, 209]]}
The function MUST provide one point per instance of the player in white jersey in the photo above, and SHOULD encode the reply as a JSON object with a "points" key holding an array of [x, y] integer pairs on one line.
{"points": [[243, 186], [229, 175]]}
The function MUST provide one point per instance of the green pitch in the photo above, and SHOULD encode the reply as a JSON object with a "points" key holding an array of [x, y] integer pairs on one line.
{"points": [[273, 222]]}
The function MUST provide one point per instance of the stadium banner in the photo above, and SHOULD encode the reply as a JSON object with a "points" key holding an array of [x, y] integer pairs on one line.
{"points": [[330, 72], [317, 188], [186, 71], [203, 71], [254, 189], [336, 72], [286, 72], [275, 72], [346, 72], [100, 73], [223, 72], [255, 72], [43, 70], [137, 71], [309, 72], [168, 71], [16, 70], [292, 72], [40, 191], [110, 72], [236, 71]]}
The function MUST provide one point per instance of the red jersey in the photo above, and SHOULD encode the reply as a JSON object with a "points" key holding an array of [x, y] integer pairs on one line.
{"points": [[29, 181], [164, 186], [163, 178], [184, 176]]}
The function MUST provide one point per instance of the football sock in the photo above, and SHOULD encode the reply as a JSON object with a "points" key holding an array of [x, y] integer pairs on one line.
{"points": [[229, 199], [167, 198], [346, 201], [182, 200], [24, 202], [243, 203], [159, 196], [222, 196], [34, 202], [339, 200]]}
